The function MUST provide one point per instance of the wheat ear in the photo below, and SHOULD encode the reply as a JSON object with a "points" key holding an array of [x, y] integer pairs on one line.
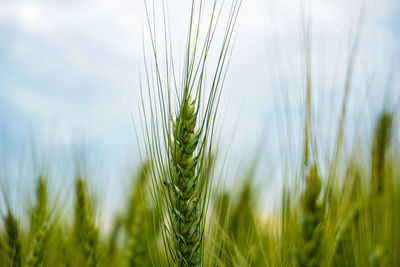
{"points": [[39, 226], [85, 232], [308, 252], [13, 248], [180, 154]]}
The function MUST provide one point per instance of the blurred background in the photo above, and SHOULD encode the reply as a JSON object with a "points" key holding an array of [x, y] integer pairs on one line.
{"points": [[70, 79]]}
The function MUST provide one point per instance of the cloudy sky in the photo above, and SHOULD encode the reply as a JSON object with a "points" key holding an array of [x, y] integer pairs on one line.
{"points": [[69, 73]]}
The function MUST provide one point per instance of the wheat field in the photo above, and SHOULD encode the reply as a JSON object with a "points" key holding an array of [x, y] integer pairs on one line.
{"points": [[334, 209]]}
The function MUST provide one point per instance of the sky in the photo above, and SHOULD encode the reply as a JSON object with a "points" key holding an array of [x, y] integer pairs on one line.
{"points": [[69, 78]]}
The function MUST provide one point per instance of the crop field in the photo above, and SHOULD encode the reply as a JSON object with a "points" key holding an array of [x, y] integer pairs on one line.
{"points": [[336, 202]]}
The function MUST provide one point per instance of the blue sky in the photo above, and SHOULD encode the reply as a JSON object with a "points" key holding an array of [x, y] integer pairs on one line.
{"points": [[69, 74]]}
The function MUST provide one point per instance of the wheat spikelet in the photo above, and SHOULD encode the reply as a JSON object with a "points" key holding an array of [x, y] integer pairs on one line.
{"points": [[136, 224], [311, 221], [112, 249], [85, 232], [381, 205], [39, 226], [39, 246], [380, 144], [180, 156], [13, 254], [242, 218]]}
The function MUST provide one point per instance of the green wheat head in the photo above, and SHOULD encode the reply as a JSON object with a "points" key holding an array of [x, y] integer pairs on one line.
{"points": [[380, 145], [12, 246], [39, 226], [180, 154], [311, 221], [137, 225], [85, 232]]}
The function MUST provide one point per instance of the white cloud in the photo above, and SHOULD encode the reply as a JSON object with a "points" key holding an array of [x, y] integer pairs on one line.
{"points": [[30, 15]]}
